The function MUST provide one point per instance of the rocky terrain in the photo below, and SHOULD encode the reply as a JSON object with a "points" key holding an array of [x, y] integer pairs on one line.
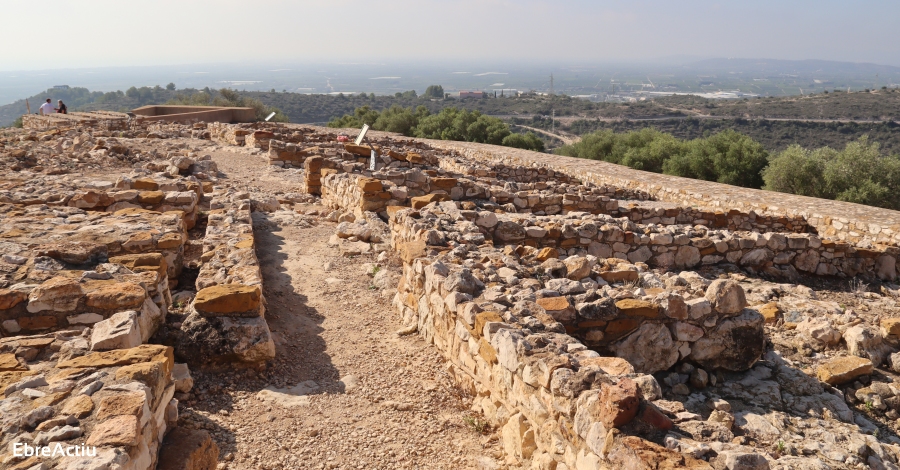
{"points": [[264, 296]]}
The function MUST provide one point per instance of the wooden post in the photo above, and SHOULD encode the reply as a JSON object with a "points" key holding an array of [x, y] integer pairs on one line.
{"points": [[27, 105]]}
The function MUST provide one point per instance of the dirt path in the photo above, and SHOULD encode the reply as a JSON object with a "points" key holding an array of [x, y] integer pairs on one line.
{"points": [[353, 395]]}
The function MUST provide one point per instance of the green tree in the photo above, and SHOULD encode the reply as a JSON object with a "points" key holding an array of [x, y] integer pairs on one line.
{"points": [[727, 157], [528, 141], [861, 174], [797, 170], [434, 91], [170, 86], [396, 119]]}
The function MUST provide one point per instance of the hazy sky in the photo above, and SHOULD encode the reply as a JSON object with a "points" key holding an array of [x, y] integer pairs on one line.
{"points": [[48, 34]]}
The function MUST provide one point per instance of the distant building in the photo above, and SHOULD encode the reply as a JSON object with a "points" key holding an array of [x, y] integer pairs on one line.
{"points": [[471, 94], [61, 87]]}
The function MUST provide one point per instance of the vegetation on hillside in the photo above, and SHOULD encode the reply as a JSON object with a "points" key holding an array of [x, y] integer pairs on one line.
{"points": [[860, 173], [773, 135], [726, 157], [449, 124]]}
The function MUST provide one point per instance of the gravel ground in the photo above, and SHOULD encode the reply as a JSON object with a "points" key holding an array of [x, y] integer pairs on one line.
{"points": [[363, 396]]}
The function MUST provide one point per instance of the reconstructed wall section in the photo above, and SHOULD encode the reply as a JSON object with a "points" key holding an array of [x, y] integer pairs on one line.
{"points": [[854, 223]]}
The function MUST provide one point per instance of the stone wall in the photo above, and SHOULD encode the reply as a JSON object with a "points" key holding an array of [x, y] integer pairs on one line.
{"points": [[120, 402], [684, 246], [853, 223], [558, 401], [101, 120], [226, 321]]}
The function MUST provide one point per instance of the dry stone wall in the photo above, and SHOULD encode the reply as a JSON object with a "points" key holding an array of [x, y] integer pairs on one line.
{"points": [[118, 404], [226, 321], [506, 334], [853, 223]]}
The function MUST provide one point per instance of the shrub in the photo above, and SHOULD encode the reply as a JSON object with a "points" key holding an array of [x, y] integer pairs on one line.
{"points": [[528, 141], [727, 157], [859, 173]]}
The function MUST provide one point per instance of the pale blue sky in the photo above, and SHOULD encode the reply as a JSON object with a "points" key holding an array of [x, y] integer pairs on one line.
{"points": [[50, 34]]}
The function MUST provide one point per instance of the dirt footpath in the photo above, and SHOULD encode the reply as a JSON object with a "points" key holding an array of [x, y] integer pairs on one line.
{"points": [[345, 391]]}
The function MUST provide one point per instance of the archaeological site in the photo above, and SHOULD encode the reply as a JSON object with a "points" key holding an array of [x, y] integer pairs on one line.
{"points": [[207, 295]]}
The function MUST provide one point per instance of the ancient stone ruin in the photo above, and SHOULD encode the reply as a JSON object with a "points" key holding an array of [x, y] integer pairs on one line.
{"points": [[594, 316]]}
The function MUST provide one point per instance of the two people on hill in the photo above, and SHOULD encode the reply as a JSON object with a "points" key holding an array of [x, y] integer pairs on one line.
{"points": [[47, 108]]}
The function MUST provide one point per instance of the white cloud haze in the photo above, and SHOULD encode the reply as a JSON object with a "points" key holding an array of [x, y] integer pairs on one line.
{"points": [[52, 34]]}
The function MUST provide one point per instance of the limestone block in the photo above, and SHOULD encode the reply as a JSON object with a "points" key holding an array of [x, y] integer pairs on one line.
{"points": [[518, 437], [649, 349], [120, 331], [236, 300], [726, 296], [734, 344], [182, 377]]}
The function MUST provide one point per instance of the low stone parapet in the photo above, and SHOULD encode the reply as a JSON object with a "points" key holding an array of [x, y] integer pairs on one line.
{"points": [[114, 407], [226, 321]]}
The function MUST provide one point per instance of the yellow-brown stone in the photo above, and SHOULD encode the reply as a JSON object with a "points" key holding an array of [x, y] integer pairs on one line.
{"points": [[891, 326], [246, 243], [226, 299], [626, 275], [35, 342], [770, 312], [123, 357], [486, 351], [391, 210], [9, 362], [547, 253], [638, 308], [117, 431], [140, 240], [50, 399], [622, 325], [11, 298], [117, 295], [145, 184], [170, 240], [150, 197], [553, 304], [12, 376], [361, 150], [79, 406], [121, 404], [150, 373], [482, 318], [444, 183], [610, 365], [38, 322], [370, 184], [841, 370], [422, 201], [141, 261]]}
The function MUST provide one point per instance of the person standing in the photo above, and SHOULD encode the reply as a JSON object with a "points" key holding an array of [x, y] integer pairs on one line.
{"points": [[47, 108], [61, 108]]}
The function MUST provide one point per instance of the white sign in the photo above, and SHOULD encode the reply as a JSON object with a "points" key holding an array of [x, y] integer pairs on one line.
{"points": [[372, 160], [362, 134]]}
